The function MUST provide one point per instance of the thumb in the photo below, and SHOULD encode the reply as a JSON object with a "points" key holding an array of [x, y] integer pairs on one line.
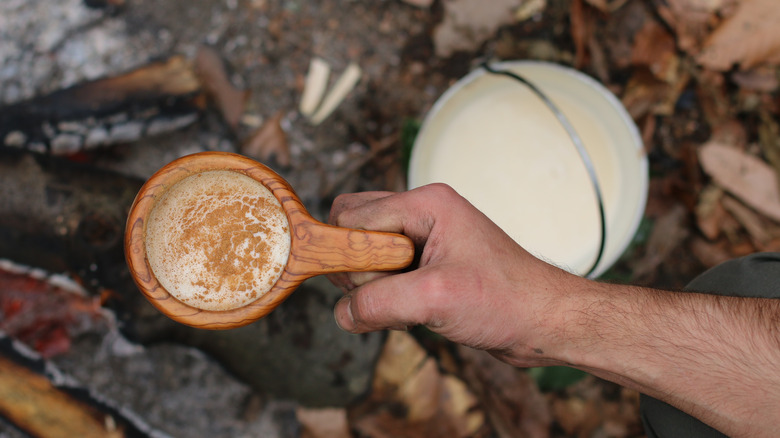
{"points": [[386, 303]]}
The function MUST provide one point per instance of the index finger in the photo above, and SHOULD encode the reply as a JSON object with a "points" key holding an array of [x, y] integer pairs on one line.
{"points": [[350, 201]]}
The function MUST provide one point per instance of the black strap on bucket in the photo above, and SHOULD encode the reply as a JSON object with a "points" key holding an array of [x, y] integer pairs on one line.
{"points": [[578, 144]]}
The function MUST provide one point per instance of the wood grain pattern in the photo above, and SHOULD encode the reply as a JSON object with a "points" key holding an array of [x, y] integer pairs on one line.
{"points": [[316, 248]]}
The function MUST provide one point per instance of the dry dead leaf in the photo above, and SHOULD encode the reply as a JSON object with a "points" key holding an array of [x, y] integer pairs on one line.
{"points": [[411, 398], [468, 23], [655, 48], [607, 6], [644, 93], [758, 79], [529, 9], [714, 98], [510, 396], [752, 222], [744, 176], [741, 248], [270, 141], [582, 24], [691, 20], [210, 68], [731, 132], [769, 138], [709, 254], [419, 3], [710, 212], [323, 423], [749, 38], [577, 417], [669, 232]]}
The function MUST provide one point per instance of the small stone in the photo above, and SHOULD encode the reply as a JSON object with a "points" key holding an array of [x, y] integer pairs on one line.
{"points": [[67, 143], [126, 132], [15, 138]]}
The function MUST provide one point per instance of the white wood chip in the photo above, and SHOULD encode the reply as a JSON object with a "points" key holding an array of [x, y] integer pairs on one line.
{"points": [[348, 80], [315, 85]]}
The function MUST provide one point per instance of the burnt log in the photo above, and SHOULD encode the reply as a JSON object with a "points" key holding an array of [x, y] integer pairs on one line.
{"points": [[62, 216], [38, 399], [156, 98]]}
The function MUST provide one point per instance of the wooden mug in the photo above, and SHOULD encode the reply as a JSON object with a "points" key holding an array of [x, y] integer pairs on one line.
{"points": [[315, 248]]}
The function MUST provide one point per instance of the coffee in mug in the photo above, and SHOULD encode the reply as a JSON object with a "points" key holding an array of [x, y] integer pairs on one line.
{"points": [[217, 240]]}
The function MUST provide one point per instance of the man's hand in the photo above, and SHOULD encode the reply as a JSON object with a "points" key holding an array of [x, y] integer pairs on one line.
{"points": [[714, 357], [474, 284]]}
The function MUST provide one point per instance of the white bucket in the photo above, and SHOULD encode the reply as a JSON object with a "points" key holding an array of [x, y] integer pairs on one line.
{"points": [[501, 147]]}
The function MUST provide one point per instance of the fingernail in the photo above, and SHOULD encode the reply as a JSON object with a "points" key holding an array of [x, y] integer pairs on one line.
{"points": [[345, 322], [400, 328]]}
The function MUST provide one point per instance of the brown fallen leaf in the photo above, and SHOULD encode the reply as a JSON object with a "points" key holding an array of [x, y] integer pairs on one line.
{"points": [[419, 3], [644, 93], [758, 79], [731, 132], [619, 31], [510, 396], [710, 212], [714, 98], [744, 176], [691, 20], [773, 246], [748, 38], [741, 248], [269, 141], [607, 6], [769, 139], [709, 254], [752, 222], [529, 9], [468, 23], [577, 417], [210, 68], [323, 423], [669, 232], [581, 27], [655, 48], [410, 397]]}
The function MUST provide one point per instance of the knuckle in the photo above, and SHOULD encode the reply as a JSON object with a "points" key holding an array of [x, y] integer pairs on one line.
{"points": [[340, 208], [442, 191], [345, 218], [365, 308], [444, 195]]}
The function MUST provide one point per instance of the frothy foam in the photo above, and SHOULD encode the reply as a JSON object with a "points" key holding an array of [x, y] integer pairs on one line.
{"points": [[217, 240]]}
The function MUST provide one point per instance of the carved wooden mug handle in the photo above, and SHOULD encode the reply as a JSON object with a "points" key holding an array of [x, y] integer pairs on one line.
{"points": [[321, 249]]}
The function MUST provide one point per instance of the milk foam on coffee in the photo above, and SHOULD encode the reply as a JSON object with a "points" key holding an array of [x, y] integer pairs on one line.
{"points": [[217, 240]]}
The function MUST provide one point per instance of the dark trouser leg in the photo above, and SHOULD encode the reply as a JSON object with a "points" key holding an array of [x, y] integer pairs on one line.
{"points": [[757, 275]]}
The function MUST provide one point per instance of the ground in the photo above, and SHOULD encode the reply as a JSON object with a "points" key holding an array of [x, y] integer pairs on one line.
{"points": [[648, 53]]}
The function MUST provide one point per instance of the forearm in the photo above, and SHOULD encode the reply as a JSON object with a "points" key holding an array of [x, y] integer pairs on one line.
{"points": [[717, 358]]}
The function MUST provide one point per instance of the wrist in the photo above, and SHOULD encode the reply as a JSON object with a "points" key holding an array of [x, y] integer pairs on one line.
{"points": [[552, 331]]}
